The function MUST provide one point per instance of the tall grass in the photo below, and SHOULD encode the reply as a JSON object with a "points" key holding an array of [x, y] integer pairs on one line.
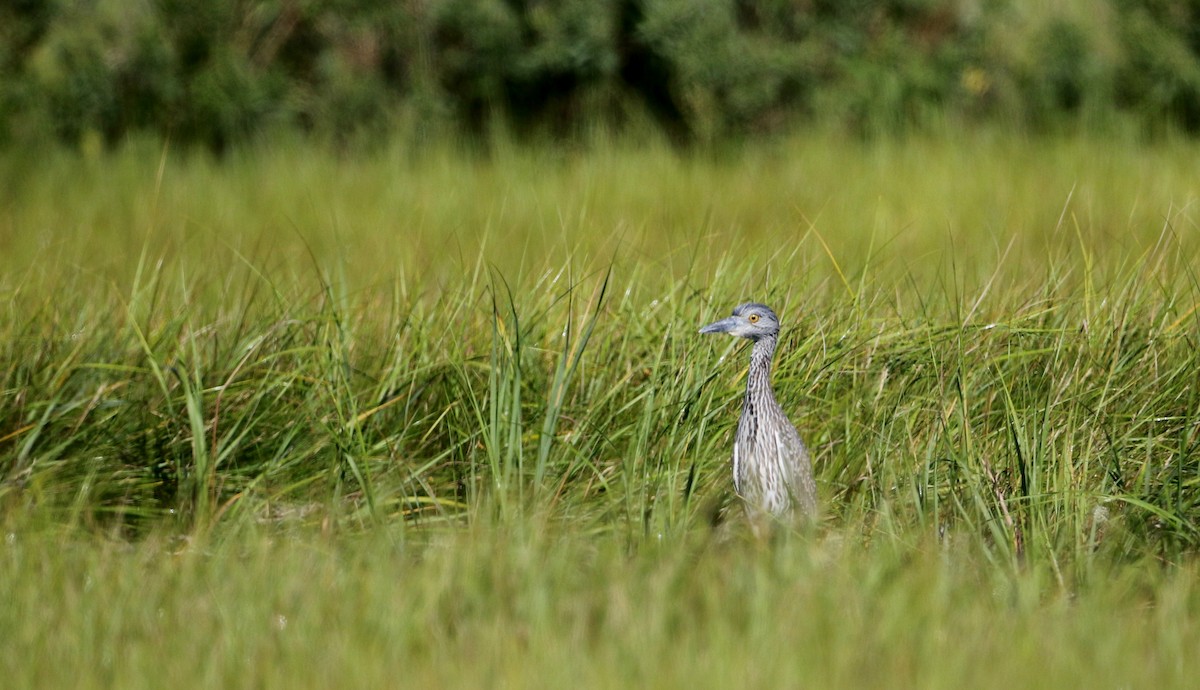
{"points": [[519, 608], [460, 405]]}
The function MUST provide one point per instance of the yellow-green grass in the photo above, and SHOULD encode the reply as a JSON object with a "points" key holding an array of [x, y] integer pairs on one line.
{"points": [[517, 608], [301, 418]]}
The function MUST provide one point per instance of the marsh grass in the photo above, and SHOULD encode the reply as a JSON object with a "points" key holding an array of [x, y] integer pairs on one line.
{"points": [[529, 608], [450, 414]]}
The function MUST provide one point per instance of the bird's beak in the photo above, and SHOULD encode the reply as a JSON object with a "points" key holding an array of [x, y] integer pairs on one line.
{"points": [[722, 326]]}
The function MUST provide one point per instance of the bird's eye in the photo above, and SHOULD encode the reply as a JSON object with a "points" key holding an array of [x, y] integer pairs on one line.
{"points": [[753, 318]]}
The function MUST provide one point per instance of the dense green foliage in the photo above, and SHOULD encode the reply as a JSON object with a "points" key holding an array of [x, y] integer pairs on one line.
{"points": [[220, 71]]}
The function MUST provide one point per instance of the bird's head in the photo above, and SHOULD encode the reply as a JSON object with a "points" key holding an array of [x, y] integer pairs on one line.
{"points": [[750, 320]]}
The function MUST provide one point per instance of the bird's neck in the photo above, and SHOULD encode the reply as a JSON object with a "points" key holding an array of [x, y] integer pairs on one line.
{"points": [[759, 376]]}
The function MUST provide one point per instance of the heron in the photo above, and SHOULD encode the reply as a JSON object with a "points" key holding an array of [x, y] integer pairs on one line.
{"points": [[771, 469]]}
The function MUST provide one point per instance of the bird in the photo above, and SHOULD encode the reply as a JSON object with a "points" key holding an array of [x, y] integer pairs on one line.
{"points": [[772, 472]]}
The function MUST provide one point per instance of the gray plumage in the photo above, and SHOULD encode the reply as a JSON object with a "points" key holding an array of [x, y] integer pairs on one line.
{"points": [[771, 468]]}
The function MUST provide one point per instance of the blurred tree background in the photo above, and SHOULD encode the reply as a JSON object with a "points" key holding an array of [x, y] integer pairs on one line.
{"points": [[218, 72]]}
